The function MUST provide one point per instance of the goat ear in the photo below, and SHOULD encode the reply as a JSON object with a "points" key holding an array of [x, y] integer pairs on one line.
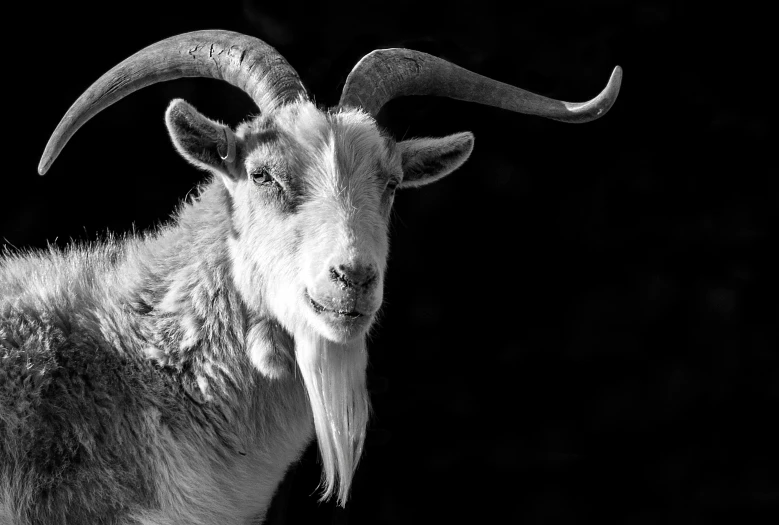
{"points": [[427, 160], [205, 143]]}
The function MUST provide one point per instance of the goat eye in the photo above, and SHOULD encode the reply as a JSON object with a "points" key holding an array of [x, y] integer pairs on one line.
{"points": [[262, 176], [392, 184]]}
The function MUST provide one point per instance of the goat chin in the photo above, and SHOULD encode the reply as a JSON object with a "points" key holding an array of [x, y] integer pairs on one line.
{"points": [[334, 376]]}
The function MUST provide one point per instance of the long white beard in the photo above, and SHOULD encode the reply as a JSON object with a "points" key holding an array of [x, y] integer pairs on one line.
{"points": [[334, 375]]}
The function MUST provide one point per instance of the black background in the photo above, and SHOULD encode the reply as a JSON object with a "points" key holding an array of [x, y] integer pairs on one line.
{"points": [[580, 324]]}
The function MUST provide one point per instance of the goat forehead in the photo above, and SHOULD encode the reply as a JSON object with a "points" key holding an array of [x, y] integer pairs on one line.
{"points": [[350, 169], [302, 131], [358, 146], [344, 153], [352, 137], [337, 162]]}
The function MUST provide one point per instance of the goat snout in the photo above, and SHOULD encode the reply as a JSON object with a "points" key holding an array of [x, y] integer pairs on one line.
{"points": [[353, 276], [344, 299]]}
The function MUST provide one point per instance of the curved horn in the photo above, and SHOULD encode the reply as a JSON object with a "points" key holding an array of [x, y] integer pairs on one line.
{"points": [[385, 74], [244, 61]]}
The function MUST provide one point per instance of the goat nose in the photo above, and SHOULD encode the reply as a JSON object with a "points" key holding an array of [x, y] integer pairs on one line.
{"points": [[358, 275]]}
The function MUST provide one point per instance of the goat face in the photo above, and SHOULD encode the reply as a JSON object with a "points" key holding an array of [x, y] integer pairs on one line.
{"points": [[311, 195]]}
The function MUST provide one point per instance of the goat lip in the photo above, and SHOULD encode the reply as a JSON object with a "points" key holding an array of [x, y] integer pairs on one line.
{"points": [[349, 315]]}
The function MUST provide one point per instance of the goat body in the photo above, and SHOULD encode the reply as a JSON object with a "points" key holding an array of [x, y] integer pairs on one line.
{"points": [[125, 384], [173, 378]]}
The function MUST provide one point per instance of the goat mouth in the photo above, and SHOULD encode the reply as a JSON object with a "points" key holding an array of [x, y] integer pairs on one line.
{"points": [[336, 312]]}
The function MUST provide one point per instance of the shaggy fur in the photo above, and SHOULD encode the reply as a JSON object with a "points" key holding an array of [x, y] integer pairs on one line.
{"points": [[96, 427], [173, 377]]}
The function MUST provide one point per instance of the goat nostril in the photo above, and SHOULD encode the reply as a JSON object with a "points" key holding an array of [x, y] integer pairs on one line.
{"points": [[360, 275]]}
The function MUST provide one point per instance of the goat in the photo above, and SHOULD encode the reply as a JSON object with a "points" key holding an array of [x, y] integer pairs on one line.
{"points": [[173, 377]]}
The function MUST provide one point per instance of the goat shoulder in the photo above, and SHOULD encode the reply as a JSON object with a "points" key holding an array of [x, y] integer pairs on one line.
{"points": [[125, 388]]}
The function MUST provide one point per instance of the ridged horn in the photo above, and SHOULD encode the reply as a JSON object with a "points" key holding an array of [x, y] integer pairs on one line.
{"points": [[245, 62], [385, 74]]}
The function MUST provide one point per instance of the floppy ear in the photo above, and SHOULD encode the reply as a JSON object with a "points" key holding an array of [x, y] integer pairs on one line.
{"points": [[427, 160], [205, 143]]}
